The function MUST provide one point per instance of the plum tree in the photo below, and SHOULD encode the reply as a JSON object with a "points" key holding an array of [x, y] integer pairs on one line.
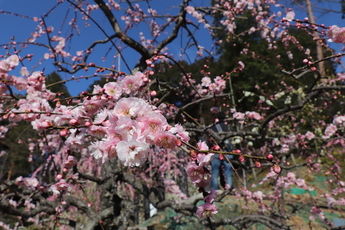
{"points": [[114, 150]]}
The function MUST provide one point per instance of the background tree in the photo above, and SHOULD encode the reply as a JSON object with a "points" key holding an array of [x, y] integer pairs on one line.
{"points": [[56, 85]]}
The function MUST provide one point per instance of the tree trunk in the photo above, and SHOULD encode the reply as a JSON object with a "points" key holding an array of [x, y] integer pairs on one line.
{"points": [[319, 49]]}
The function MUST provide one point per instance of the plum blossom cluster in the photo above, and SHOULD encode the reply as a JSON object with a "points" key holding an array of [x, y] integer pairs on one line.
{"points": [[6, 65], [208, 86], [256, 197], [207, 209], [198, 170], [331, 129], [247, 115], [27, 182], [199, 173], [111, 120], [336, 34], [281, 183], [129, 130]]}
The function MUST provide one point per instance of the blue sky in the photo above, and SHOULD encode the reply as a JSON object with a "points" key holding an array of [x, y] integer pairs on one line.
{"points": [[21, 28]]}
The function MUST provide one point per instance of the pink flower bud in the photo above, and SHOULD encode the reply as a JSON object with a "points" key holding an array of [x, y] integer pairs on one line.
{"points": [[88, 123], [73, 122], [216, 147], [64, 132], [241, 158], [71, 161], [153, 93], [61, 186], [257, 164], [46, 124], [269, 157], [276, 169], [58, 177]]}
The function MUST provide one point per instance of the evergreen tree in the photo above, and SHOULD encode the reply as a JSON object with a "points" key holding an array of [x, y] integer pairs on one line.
{"points": [[55, 84]]}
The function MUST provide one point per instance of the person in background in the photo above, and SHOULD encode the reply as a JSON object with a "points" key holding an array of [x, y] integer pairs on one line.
{"points": [[218, 163]]}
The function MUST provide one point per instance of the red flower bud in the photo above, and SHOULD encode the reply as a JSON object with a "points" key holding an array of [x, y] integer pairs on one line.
{"points": [[269, 157], [241, 158], [216, 147], [257, 164]]}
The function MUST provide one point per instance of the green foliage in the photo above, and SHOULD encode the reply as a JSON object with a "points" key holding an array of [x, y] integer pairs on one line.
{"points": [[264, 60], [56, 85], [16, 163]]}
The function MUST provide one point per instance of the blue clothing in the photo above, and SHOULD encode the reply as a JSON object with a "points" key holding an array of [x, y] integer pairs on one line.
{"points": [[219, 165], [216, 164]]}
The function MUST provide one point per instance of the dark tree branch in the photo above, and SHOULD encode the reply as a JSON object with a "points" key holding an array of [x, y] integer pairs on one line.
{"points": [[179, 112], [103, 31], [118, 31], [245, 221], [180, 21]]}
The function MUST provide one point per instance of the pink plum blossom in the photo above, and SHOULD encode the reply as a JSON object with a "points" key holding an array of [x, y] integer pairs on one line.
{"points": [[8, 64], [215, 110], [132, 153], [211, 196], [131, 83], [206, 210], [132, 107], [336, 34], [238, 115], [127, 128], [202, 145], [205, 81], [165, 140], [110, 146], [98, 150], [309, 135], [152, 125], [339, 120], [290, 15], [20, 83], [199, 175], [180, 132], [113, 89], [3, 88], [59, 187], [71, 161], [254, 115], [241, 64], [98, 131], [330, 130], [204, 159]]}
